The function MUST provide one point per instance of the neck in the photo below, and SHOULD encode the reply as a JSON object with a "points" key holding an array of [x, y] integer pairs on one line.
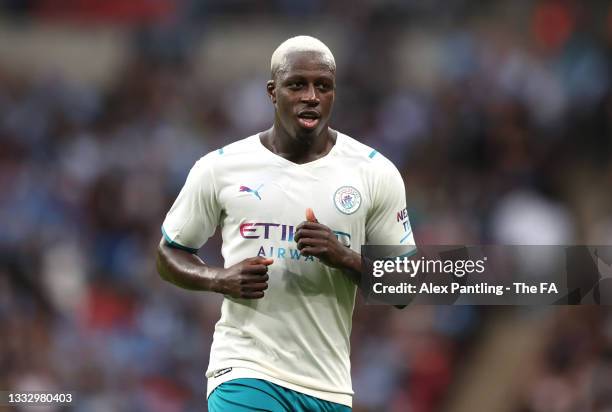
{"points": [[298, 150]]}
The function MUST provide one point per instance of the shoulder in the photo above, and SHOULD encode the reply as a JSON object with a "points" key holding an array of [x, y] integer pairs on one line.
{"points": [[365, 156], [227, 154], [239, 147]]}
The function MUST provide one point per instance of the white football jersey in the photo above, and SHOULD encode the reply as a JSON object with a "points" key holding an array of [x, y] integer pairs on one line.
{"points": [[297, 335]]}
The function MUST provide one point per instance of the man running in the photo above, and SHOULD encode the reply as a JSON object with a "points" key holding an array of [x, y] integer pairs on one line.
{"points": [[294, 203]]}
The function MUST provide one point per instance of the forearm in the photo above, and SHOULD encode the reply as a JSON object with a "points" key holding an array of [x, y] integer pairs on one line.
{"points": [[353, 269], [184, 269], [352, 266]]}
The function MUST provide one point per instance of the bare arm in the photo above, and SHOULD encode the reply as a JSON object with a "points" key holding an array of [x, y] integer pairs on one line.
{"points": [[184, 269], [247, 279]]}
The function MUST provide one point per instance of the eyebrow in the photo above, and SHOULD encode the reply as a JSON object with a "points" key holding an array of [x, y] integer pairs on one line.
{"points": [[295, 76]]}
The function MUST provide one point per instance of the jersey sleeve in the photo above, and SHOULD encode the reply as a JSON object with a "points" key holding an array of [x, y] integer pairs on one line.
{"points": [[388, 222], [195, 214]]}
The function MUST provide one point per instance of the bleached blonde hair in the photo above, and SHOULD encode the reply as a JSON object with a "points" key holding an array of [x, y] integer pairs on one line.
{"points": [[300, 44]]}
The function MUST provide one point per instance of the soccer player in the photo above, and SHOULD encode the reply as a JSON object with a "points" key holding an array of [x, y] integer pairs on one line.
{"points": [[294, 204]]}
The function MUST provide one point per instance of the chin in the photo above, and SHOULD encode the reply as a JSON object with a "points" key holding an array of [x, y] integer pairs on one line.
{"points": [[309, 134], [306, 135]]}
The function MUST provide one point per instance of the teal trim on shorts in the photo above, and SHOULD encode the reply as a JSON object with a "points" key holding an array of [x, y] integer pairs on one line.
{"points": [[248, 395], [372, 154], [175, 245]]}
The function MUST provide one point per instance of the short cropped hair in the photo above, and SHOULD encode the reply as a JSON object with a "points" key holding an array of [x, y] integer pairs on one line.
{"points": [[300, 44]]}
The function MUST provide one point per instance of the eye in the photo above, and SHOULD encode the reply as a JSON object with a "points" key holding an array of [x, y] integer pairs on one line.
{"points": [[324, 87], [294, 85]]}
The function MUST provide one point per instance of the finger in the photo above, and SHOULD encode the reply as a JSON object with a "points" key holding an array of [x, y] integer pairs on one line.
{"points": [[255, 269], [260, 260], [253, 287], [310, 216], [304, 233], [313, 251], [313, 226], [308, 241], [252, 295], [253, 278]]}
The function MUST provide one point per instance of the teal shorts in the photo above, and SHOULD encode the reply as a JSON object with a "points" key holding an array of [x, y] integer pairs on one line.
{"points": [[245, 394]]}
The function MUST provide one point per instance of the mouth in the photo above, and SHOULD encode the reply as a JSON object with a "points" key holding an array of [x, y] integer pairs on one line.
{"points": [[309, 119]]}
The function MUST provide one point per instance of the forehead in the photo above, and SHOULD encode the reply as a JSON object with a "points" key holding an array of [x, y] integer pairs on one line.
{"points": [[306, 63]]}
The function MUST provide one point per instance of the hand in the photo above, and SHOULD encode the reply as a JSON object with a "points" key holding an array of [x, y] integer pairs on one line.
{"points": [[245, 280], [316, 239]]}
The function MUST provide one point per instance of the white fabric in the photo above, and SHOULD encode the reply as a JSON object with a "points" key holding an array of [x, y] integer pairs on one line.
{"points": [[298, 334]]}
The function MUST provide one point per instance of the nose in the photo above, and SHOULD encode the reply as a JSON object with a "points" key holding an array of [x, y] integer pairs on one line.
{"points": [[310, 95]]}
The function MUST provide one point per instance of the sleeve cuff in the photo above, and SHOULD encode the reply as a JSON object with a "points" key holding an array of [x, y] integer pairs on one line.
{"points": [[175, 245]]}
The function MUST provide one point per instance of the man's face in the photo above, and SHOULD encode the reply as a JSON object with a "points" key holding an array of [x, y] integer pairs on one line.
{"points": [[303, 94]]}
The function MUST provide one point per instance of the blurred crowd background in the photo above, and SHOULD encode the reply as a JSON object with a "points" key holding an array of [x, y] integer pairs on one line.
{"points": [[497, 113]]}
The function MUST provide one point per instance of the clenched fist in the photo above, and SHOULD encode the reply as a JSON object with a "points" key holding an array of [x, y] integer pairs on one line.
{"points": [[245, 280], [316, 239]]}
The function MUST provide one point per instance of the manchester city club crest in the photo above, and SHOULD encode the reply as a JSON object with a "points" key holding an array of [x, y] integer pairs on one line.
{"points": [[347, 199]]}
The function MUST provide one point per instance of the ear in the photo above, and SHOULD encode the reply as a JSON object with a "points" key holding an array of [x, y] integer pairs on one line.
{"points": [[271, 88]]}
